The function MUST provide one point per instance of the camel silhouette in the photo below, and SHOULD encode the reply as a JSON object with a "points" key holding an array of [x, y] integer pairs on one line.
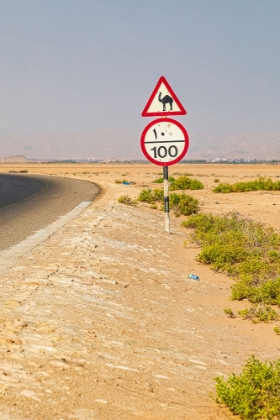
{"points": [[165, 100]]}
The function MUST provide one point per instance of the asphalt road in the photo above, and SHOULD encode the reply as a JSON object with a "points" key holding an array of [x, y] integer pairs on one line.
{"points": [[30, 202]]}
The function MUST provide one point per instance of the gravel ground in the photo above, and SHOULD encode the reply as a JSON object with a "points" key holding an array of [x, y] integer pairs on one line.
{"points": [[101, 321]]}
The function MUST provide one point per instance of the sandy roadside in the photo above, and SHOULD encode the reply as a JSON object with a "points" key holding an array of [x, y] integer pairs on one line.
{"points": [[101, 321]]}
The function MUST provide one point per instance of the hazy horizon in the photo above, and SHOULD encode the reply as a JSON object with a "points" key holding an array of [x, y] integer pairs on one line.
{"points": [[75, 76]]}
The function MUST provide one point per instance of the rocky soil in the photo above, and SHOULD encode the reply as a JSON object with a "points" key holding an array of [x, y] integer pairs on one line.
{"points": [[100, 321]]}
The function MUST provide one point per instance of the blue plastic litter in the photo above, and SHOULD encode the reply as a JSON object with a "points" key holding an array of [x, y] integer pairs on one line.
{"points": [[126, 182], [194, 277]]}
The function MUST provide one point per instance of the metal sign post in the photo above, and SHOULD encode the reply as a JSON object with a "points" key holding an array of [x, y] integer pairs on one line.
{"points": [[166, 198], [164, 141]]}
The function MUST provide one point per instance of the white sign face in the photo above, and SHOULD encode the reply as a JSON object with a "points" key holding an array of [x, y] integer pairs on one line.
{"points": [[163, 101], [164, 141]]}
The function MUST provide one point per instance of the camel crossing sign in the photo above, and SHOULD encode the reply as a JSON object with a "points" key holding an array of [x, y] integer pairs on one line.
{"points": [[163, 101], [164, 141]]}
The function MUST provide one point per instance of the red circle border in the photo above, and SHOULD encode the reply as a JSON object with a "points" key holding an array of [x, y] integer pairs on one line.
{"points": [[186, 147]]}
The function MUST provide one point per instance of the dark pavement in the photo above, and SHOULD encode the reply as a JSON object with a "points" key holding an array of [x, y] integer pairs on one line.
{"points": [[30, 202]]}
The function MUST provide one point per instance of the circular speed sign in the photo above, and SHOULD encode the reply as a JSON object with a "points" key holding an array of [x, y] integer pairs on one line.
{"points": [[164, 141]]}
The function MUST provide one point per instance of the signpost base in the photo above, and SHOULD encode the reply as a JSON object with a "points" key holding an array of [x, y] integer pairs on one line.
{"points": [[167, 222], [166, 198]]}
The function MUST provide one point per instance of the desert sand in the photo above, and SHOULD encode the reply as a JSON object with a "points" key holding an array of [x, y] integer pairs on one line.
{"points": [[100, 321]]}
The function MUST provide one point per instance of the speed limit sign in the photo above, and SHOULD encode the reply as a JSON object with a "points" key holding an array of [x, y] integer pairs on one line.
{"points": [[164, 141]]}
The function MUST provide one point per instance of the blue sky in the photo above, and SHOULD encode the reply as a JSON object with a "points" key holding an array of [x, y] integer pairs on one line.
{"points": [[78, 67]]}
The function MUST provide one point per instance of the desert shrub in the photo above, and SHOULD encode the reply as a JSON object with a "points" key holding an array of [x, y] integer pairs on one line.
{"points": [[154, 206], [183, 204], [185, 183], [150, 196], [120, 181], [259, 313], [22, 171], [146, 195], [267, 292], [245, 250], [125, 199], [158, 194], [255, 393], [229, 312], [223, 187], [259, 184], [276, 330], [160, 180]]}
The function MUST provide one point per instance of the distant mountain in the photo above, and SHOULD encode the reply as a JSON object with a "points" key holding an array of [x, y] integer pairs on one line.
{"points": [[98, 144], [125, 144], [13, 159], [247, 146]]}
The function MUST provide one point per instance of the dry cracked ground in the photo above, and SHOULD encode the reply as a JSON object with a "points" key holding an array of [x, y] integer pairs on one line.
{"points": [[100, 321]]}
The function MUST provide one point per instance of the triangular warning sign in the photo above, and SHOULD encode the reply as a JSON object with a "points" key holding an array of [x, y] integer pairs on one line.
{"points": [[163, 101]]}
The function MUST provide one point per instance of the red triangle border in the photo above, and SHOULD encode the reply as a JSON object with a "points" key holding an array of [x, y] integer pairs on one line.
{"points": [[181, 111]]}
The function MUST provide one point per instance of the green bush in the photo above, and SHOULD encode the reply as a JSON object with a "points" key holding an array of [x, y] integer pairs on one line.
{"points": [[267, 292], [265, 184], [276, 330], [259, 313], [160, 180], [125, 199], [183, 204], [158, 194], [229, 312], [185, 183], [147, 196], [154, 206], [151, 196], [245, 250], [255, 394], [224, 188]]}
